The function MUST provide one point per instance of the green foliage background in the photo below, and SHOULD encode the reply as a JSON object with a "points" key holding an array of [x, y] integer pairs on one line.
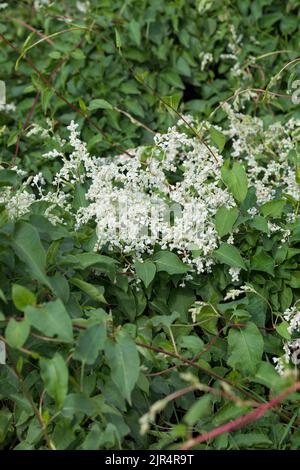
{"points": [[85, 349]]}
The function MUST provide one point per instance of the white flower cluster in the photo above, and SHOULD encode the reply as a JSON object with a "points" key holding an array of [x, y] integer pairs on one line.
{"points": [[167, 198], [233, 293], [292, 316], [38, 4], [235, 47], [164, 196], [252, 141], [83, 7], [7, 107], [292, 347], [235, 273], [206, 59]]}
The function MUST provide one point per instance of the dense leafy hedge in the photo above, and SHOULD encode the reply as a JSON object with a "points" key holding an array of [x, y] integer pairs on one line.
{"points": [[193, 53], [133, 342], [96, 339]]}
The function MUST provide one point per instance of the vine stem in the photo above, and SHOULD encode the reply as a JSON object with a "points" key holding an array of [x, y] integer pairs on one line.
{"points": [[191, 363], [35, 409], [242, 420]]}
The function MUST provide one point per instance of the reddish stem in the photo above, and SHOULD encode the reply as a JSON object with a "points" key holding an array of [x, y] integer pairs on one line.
{"points": [[242, 420]]}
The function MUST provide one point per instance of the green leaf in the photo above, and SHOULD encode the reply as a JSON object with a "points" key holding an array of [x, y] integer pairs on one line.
{"points": [[267, 375], [124, 363], [235, 180], [22, 297], [135, 30], [257, 440], [103, 263], [282, 330], [225, 219], [200, 408], [218, 138], [294, 280], [31, 251], [165, 320], [55, 375], [77, 403], [208, 318], [90, 342], [145, 271], [245, 348], [79, 199], [171, 103], [2, 296], [259, 223], [8, 178], [95, 292], [86, 260], [170, 263], [229, 255], [99, 103], [17, 332], [51, 319], [261, 261], [273, 208]]}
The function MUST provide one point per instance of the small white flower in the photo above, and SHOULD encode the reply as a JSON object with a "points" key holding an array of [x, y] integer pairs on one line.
{"points": [[234, 273]]}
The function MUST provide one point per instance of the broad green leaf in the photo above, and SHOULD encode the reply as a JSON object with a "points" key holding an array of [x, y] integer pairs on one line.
{"points": [[90, 342], [2, 296], [127, 302], [245, 348], [267, 375], [282, 330], [228, 412], [225, 219], [165, 320], [8, 178], [99, 104], [273, 208], [55, 375], [170, 263], [286, 297], [200, 408], [6, 417], [294, 280], [230, 255], [95, 292], [86, 260], [31, 251], [261, 261], [145, 271], [124, 363], [79, 199], [60, 286], [47, 229], [235, 180], [77, 403], [208, 318], [218, 138], [103, 263], [17, 332], [259, 223], [135, 30], [22, 297], [171, 103], [257, 440], [51, 319]]}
